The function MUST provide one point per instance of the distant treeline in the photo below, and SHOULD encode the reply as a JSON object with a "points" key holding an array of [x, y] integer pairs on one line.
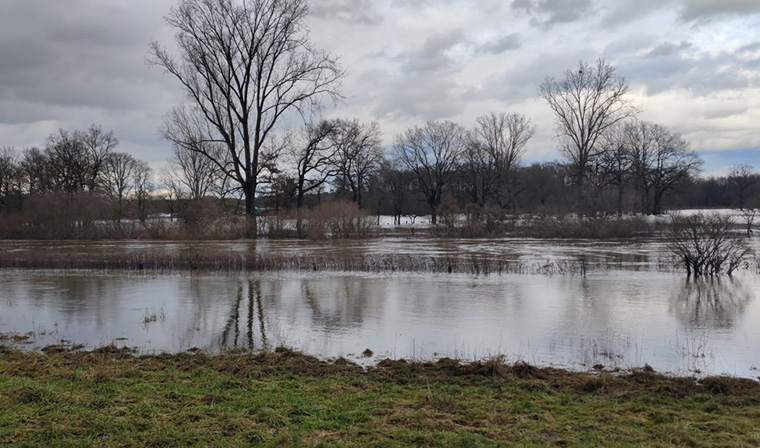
{"points": [[79, 185]]}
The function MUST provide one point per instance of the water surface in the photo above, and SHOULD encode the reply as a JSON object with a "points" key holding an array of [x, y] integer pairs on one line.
{"points": [[636, 311]]}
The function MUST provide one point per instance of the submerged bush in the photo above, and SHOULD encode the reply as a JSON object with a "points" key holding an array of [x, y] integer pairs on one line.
{"points": [[338, 219], [707, 245], [543, 226]]}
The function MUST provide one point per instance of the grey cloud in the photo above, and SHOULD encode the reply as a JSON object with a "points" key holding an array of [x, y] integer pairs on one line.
{"points": [[629, 44], [669, 49], [420, 4], [695, 10], [669, 66], [409, 97], [55, 54], [432, 55], [725, 110], [750, 48], [546, 13], [522, 82], [353, 11], [70, 64], [501, 45], [621, 12]]}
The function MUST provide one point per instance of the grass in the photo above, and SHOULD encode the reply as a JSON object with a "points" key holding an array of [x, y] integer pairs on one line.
{"points": [[109, 397]]}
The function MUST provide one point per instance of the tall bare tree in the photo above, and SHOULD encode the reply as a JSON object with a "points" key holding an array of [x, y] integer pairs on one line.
{"points": [[98, 144], [661, 160], [675, 163], [142, 180], [34, 171], [118, 175], [432, 153], [496, 146], [243, 65], [68, 162], [313, 156], [359, 155], [586, 102], [615, 162]]}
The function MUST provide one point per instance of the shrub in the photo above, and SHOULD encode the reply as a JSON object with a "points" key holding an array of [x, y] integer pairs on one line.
{"points": [[542, 226], [339, 219], [707, 245]]}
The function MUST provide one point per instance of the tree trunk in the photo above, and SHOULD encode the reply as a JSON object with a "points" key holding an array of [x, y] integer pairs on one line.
{"points": [[657, 204], [581, 181], [250, 206], [249, 191], [620, 200]]}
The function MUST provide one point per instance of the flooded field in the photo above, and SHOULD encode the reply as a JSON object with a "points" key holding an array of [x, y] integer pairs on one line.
{"points": [[634, 309]]}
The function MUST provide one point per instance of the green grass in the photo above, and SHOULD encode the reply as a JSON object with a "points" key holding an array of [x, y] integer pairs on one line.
{"points": [[111, 398]]}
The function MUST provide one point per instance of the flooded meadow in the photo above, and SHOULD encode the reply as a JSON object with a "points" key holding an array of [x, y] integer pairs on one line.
{"points": [[628, 306]]}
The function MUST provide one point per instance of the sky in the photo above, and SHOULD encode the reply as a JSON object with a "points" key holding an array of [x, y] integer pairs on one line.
{"points": [[692, 65]]}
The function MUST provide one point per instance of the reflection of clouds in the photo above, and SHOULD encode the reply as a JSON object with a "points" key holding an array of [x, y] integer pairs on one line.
{"points": [[711, 303]]}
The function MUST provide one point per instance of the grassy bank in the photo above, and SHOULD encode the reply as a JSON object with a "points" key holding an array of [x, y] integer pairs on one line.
{"points": [[111, 398]]}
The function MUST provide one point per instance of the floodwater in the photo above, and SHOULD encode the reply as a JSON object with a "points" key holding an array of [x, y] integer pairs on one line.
{"points": [[635, 310]]}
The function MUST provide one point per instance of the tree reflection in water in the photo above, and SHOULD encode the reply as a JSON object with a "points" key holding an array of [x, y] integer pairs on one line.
{"points": [[711, 303], [247, 304]]}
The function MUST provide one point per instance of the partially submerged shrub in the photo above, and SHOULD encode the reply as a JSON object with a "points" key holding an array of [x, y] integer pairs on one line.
{"points": [[707, 245], [329, 220], [542, 226], [476, 222]]}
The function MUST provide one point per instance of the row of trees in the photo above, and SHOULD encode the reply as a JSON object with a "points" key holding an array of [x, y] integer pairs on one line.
{"points": [[430, 167], [72, 163], [433, 163], [245, 65]]}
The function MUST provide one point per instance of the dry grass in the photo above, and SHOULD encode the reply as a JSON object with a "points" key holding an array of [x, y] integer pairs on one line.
{"points": [[192, 259]]}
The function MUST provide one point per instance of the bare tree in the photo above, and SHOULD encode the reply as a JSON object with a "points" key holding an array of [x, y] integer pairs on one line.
{"points": [[661, 160], [71, 161], [143, 188], [118, 179], [197, 173], [675, 163], [497, 146], [35, 171], [640, 139], [396, 183], [358, 157], [172, 192], [743, 179], [68, 162], [243, 65], [313, 155], [432, 153], [615, 162], [9, 176], [586, 102], [97, 144]]}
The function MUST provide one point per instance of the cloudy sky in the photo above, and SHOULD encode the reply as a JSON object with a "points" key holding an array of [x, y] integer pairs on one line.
{"points": [[693, 65]]}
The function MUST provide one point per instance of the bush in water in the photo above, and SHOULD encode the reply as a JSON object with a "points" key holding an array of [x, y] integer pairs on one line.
{"points": [[708, 245]]}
